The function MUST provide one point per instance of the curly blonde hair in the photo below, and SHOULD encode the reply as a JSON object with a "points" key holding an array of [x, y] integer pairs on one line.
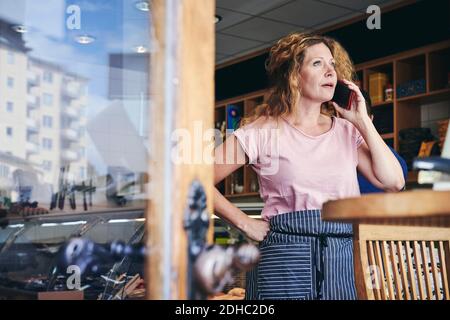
{"points": [[283, 68]]}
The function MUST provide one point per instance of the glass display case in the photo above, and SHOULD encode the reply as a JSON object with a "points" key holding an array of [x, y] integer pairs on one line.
{"points": [[74, 140], [31, 249]]}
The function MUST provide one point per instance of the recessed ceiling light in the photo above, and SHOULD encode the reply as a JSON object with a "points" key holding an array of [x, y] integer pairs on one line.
{"points": [[140, 49], [217, 18], [20, 28], [142, 5], [84, 39]]}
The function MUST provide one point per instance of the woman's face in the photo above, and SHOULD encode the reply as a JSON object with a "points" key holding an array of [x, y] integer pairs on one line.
{"points": [[318, 75]]}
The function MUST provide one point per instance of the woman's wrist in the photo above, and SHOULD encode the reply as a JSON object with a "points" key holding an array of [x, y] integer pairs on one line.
{"points": [[243, 224], [363, 124]]}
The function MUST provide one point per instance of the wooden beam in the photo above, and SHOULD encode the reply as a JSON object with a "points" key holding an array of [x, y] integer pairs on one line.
{"points": [[196, 109], [182, 80]]}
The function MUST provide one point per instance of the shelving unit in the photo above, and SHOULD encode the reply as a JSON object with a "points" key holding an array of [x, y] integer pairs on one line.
{"points": [[428, 66], [243, 182], [418, 77]]}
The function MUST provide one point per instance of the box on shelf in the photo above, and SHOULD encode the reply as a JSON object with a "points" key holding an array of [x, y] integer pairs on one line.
{"points": [[411, 88], [411, 141], [377, 83]]}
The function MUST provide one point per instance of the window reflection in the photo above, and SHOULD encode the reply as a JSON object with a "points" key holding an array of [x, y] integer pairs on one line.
{"points": [[74, 104]]}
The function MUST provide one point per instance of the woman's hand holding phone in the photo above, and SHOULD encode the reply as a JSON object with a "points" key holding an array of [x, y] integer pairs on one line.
{"points": [[343, 96], [356, 112]]}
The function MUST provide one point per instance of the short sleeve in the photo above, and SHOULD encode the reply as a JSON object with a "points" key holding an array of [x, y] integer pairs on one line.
{"points": [[248, 139]]}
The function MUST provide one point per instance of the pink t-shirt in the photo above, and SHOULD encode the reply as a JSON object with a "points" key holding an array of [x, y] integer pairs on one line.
{"points": [[297, 171]]}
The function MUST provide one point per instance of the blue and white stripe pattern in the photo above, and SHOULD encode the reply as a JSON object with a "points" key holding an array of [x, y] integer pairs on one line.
{"points": [[303, 257]]}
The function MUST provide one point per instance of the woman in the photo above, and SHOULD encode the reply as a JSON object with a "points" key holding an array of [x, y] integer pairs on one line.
{"points": [[303, 158]]}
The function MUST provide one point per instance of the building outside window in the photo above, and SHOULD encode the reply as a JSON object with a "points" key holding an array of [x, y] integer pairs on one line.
{"points": [[47, 99], [82, 173], [47, 143], [10, 106], [47, 121], [10, 82], [47, 165], [10, 57], [48, 77], [4, 171]]}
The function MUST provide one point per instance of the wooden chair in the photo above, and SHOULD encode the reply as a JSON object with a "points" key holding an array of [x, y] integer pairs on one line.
{"points": [[401, 243], [402, 262]]}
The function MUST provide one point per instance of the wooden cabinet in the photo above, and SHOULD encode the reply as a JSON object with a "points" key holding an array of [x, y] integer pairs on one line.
{"points": [[420, 80], [243, 182]]}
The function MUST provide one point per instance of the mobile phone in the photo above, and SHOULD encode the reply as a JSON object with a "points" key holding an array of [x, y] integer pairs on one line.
{"points": [[343, 96]]}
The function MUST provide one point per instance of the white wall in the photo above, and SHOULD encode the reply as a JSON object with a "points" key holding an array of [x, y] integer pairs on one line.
{"points": [[431, 113]]}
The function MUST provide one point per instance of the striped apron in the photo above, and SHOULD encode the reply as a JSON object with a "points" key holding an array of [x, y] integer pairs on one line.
{"points": [[303, 257]]}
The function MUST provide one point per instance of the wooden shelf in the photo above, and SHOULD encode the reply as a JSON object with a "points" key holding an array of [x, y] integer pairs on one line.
{"points": [[412, 177], [239, 195], [244, 176], [381, 104], [414, 97], [439, 92], [388, 136], [424, 96]]}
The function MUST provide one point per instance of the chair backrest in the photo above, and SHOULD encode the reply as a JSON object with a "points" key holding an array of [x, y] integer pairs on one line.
{"points": [[402, 262]]}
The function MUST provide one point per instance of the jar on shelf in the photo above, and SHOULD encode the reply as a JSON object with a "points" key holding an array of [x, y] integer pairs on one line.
{"points": [[388, 92], [253, 186]]}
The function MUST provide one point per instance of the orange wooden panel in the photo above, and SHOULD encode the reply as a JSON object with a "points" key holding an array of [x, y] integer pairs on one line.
{"points": [[387, 269], [426, 269], [416, 250], [376, 286], [403, 269], [444, 269], [397, 280], [435, 272]]}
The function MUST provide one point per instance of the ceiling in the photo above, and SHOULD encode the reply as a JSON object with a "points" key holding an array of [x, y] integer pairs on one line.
{"points": [[251, 25]]}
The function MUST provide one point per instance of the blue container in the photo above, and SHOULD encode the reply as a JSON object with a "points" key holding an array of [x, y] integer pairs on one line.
{"points": [[411, 88]]}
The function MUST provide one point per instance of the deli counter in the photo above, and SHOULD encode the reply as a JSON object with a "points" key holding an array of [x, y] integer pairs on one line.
{"points": [[31, 248]]}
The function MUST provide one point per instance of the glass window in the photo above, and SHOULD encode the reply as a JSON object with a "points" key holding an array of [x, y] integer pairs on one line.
{"points": [[82, 152], [81, 84], [47, 143], [10, 57], [47, 99], [47, 121], [47, 165], [10, 106], [82, 173], [4, 171], [9, 131], [47, 77], [10, 82]]}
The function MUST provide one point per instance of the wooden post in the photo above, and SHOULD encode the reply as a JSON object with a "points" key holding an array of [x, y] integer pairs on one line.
{"points": [[182, 93]]}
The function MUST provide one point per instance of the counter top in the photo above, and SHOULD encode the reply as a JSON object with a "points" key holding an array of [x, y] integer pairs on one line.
{"points": [[421, 207]]}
